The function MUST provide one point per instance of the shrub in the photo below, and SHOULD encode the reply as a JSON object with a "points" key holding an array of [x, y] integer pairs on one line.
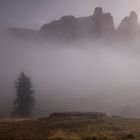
{"points": [[130, 136], [90, 138]]}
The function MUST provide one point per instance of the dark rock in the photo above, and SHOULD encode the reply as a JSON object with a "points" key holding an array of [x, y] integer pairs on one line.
{"points": [[97, 26], [98, 11], [93, 115], [129, 26], [69, 27]]}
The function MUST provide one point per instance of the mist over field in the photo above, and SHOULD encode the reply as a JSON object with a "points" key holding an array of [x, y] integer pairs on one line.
{"points": [[80, 76], [79, 57]]}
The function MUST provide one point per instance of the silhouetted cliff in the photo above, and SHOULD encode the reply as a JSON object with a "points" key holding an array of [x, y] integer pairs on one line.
{"points": [[97, 26], [129, 26], [69, 27]]}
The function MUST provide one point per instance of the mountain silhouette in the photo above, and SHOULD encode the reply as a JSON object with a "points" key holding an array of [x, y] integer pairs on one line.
{"points": [[69, 28], [129, 26]]}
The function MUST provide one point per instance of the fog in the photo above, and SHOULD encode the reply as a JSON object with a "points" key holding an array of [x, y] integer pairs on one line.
{"points": [[82, 76]]}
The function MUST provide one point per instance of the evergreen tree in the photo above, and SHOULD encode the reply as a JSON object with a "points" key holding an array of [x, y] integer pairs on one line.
{"points": [[24, 102]]}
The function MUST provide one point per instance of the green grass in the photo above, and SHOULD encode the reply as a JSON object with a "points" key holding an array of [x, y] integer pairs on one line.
{"points": [[116, 128]]}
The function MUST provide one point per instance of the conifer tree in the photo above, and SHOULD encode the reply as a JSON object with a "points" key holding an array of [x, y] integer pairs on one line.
{"points": [[25, 101]]}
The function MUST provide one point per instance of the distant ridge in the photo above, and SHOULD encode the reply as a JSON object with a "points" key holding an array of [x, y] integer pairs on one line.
{"points": [[69, 28]]}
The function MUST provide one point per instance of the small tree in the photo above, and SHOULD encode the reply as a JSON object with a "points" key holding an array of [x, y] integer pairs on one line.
{"points": [[24, 102]]}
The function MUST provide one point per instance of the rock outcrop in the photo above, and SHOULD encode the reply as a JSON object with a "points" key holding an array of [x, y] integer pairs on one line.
{"points": [[91, 115], [129, 26], [97, 26], [69, 27]]}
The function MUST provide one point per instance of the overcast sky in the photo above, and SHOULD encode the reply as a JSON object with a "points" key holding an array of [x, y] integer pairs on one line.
{"points": [[34, 13]]}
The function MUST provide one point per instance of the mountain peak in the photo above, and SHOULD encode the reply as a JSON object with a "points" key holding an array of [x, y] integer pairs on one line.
{"points": [[129, 26], [133, 16], [98, 11]]}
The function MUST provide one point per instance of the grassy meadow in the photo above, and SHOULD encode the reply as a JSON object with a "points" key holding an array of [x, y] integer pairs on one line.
{"points": [[111, 128]]}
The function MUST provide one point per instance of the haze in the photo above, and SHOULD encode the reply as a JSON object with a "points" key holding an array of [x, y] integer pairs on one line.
{"points": [[82, 76]]}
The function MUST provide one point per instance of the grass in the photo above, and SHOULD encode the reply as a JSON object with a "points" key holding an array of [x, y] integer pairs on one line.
{"points": [[61, 135], [113, 128]]}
